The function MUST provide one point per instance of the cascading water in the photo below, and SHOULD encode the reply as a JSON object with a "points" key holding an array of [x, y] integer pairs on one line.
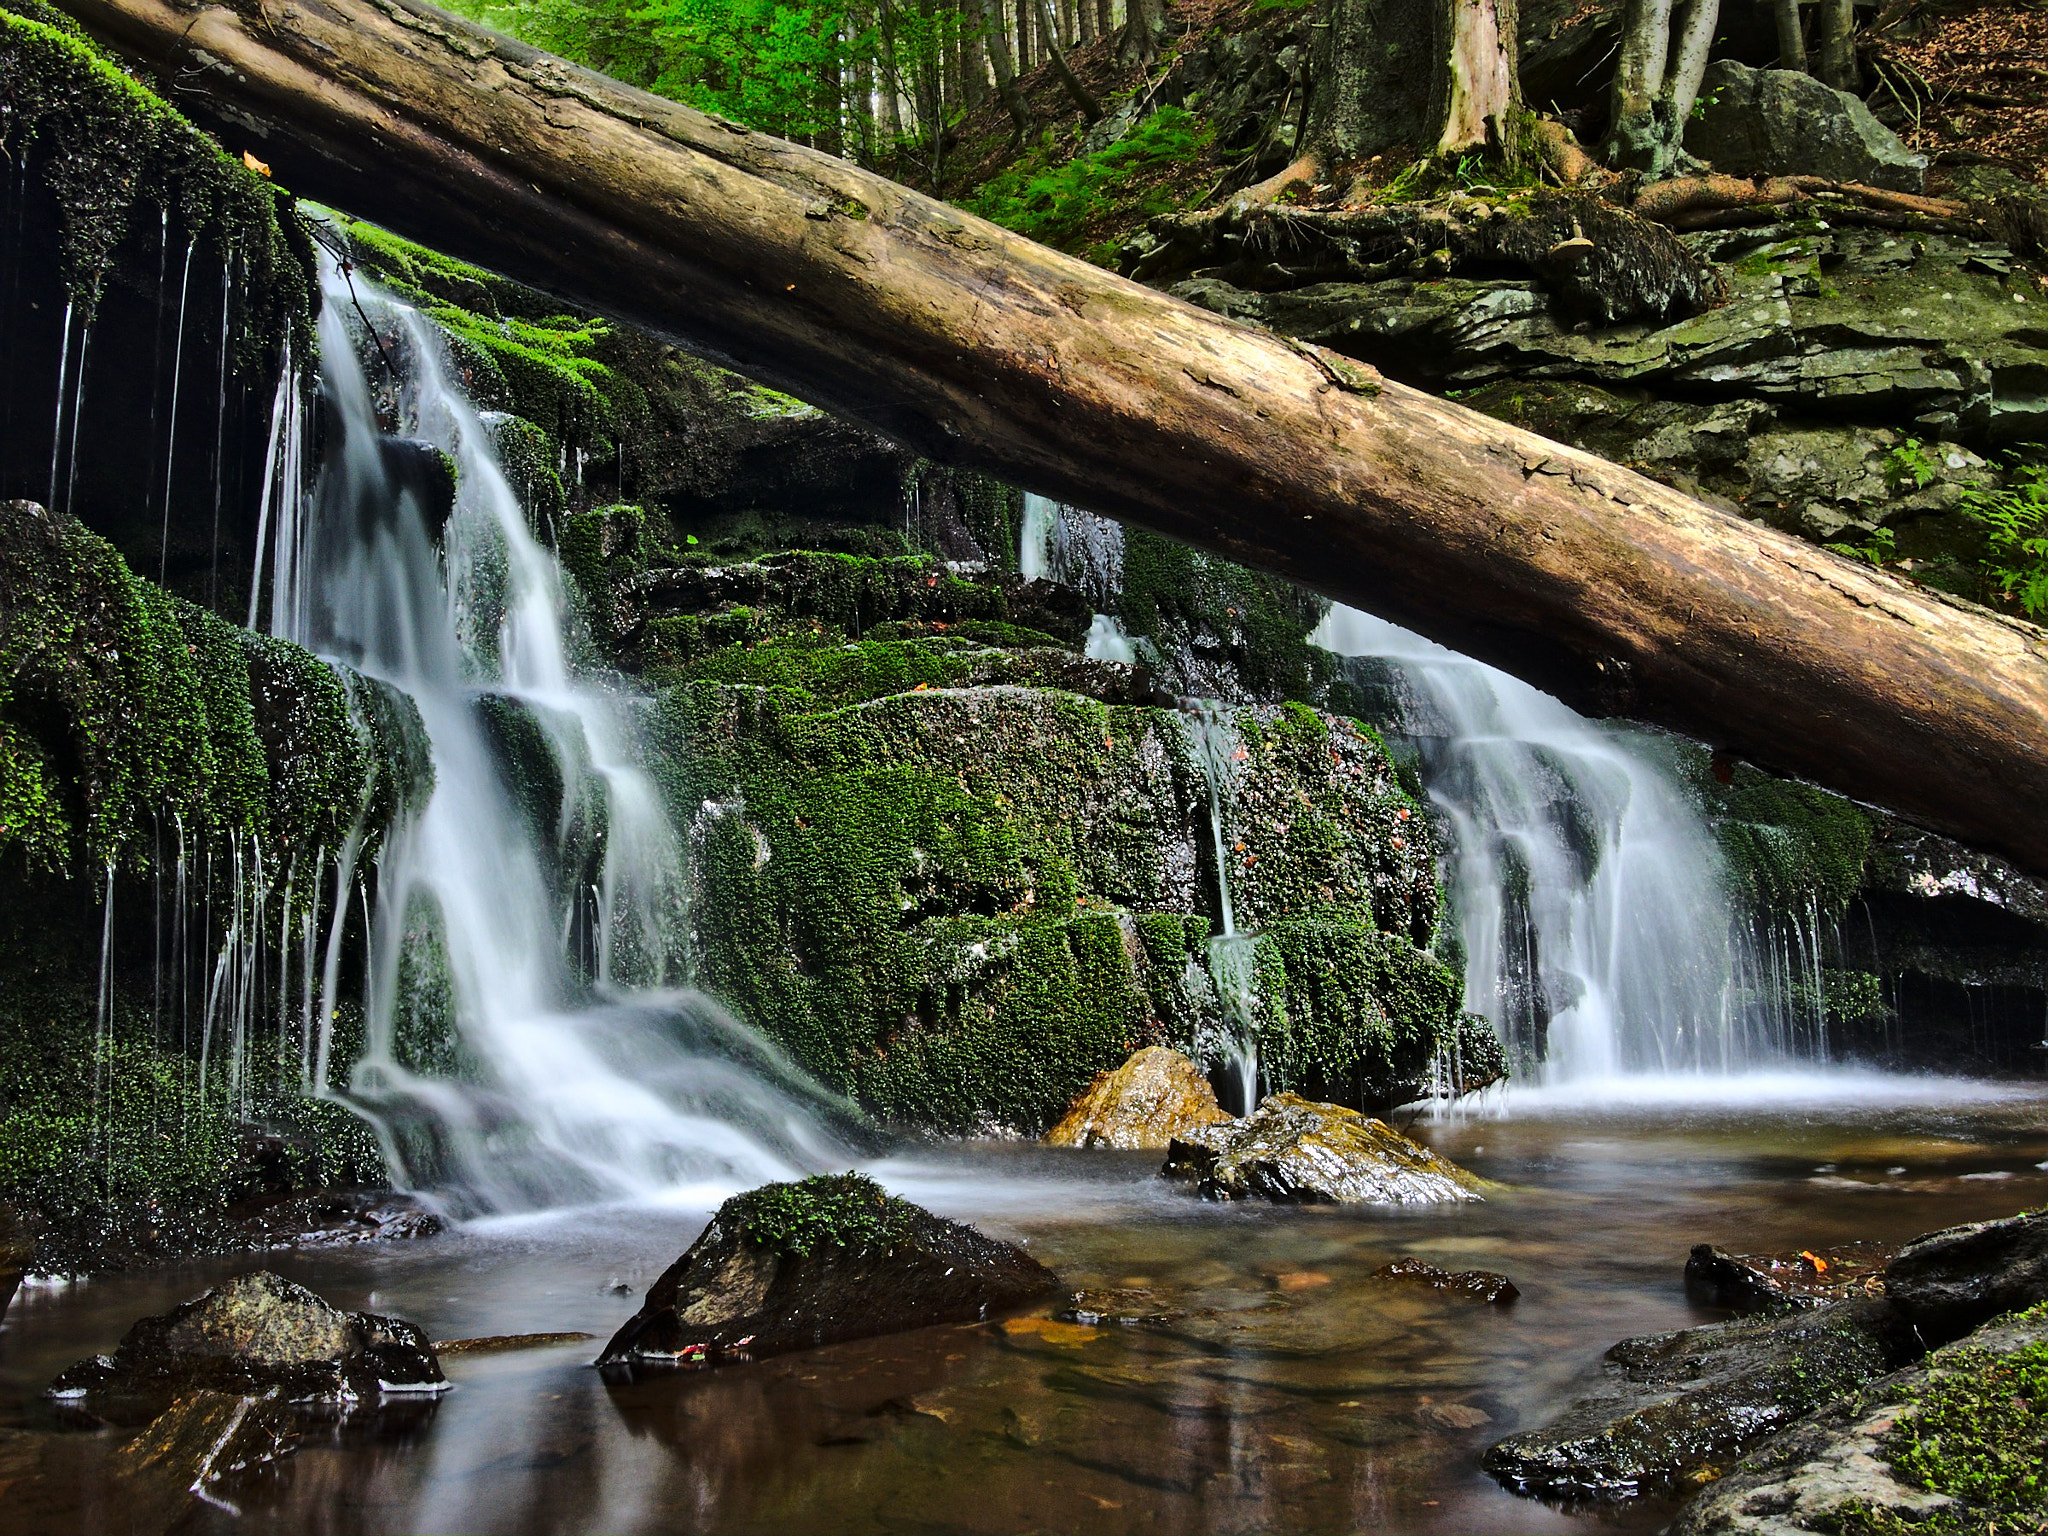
{"points": [[1590, 895], [582, 1070]]}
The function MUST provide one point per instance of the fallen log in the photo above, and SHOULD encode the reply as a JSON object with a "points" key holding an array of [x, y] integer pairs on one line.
{"points": [[979, 347]]}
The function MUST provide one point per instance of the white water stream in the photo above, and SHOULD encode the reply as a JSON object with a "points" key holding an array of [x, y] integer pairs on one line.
{"points": [[587, 1069], [1589, 892]]}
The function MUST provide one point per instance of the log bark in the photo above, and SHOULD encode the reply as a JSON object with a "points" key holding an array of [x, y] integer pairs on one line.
{"points": [[980, 348]]}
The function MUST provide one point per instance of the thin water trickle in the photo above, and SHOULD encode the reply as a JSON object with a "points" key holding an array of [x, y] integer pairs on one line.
{"points": [[578, 1085], [1589, 893], [171, 436], [57, 432]]}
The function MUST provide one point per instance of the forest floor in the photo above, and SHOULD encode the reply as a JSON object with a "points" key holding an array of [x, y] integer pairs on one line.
{"points": [[1973, 86]]}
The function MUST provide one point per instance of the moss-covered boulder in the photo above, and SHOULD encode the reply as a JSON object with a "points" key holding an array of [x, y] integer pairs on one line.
{"points": [[959, 903], [822, 1261]]}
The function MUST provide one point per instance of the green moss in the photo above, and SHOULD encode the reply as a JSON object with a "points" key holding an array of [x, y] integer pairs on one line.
{"points": [[847, 1210], [122, 707], [1791, 849], [106, 146], [1977, 1433], [1179, 597]]}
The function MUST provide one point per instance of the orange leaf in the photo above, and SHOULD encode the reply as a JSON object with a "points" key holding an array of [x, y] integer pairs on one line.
{"points": [[254, 164]]}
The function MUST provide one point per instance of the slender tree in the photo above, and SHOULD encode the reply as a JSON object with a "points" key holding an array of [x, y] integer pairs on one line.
{"points": [[1835, 29], [1079, 94], [1657, 81], [996, 32], [1791, 39]]}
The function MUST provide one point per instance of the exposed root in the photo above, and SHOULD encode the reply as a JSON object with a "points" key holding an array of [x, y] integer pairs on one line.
{"points": [[1303, 171], [1697, 202]]}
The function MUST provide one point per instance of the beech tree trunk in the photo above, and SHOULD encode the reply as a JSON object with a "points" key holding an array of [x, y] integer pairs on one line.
{"points": [[1791, 41], [996, 31], [980, 348], [1656, 81], [1835, 35]]}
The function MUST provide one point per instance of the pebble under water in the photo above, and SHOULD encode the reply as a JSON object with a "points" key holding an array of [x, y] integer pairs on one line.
{"points": [[1294, 1391]]}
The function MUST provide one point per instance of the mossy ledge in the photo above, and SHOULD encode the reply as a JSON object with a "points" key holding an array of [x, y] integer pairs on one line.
{"points": [[105, 146]]}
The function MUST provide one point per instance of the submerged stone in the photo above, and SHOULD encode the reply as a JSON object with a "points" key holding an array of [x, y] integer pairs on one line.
{"points": [[1675, 1406], [255, 1333], [201, 1440], [1948, 1282], [1293, 1149], [1777, 1282], [1153, 1097], [832, 1258], [1481, 1285]]}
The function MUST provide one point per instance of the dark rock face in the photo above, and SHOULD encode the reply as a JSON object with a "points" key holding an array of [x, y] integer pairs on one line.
{"points": [[1806, 1478], [17, 1247], [795, 1266], [1675, 1402], [1294, 1150], [1776, 122], [1481, 1285], [256, 1333], [1949, 1282]]}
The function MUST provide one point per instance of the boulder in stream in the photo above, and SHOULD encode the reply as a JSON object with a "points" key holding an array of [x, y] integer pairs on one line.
{"points": [[1480, 1285], [820, 1261], [1950, 1444], [255, 1333], [1156, 1095], [1949, 1282], [1296, 1150], [1681, 1405]]}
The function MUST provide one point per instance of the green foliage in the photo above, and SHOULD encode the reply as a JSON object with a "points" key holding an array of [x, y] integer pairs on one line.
{"points": [[2014, 518], [1056, 201], [846, 1210], [1791, 849], [1879, 548], [1909, 466]]}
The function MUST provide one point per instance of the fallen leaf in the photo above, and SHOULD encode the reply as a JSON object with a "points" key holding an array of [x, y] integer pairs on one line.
{"points": [[254, 164]]}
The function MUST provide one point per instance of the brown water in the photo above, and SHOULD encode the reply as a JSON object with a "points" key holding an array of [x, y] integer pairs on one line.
{"points": [[1298, 1394]]}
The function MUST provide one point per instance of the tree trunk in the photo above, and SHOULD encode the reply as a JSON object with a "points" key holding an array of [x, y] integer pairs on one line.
{"points": [[1791, 41], [888, 80], [1687, 66], [1105, 17], [1084, 16], [1141, 32], [1835, 33], [1079, 94], [996, 31], [1371, 78], [977, 347], [1633, 137], [1027, 55], [1475, 89]]}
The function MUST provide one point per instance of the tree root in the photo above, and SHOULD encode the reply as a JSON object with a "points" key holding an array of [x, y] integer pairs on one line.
{"points": [[1698, 202], [1303, 171]]}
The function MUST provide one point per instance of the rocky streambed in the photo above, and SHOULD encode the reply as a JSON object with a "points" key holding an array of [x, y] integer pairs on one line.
{"points": [[1207, 1365]]}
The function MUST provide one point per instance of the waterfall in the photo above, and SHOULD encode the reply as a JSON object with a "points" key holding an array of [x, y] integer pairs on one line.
{"points": [[583, 1068], [1588, 891]]}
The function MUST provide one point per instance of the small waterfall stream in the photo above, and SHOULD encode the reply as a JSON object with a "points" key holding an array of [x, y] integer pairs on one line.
{"points": [[1589, 893], [584, 1068]]}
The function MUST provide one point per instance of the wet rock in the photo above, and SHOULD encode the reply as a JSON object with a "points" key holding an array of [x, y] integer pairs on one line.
{"points": [[1779, 122], [254, 1333], [794, 1266], [1481, 1285], [17, 1248], [1124, 1306], [1677, 1405], [1153, 1097], [202, 1440], [1808, 1477], [1777, 1282], [509, 1343], [336, 1218], [1949, 1282], [1295, 1150]]}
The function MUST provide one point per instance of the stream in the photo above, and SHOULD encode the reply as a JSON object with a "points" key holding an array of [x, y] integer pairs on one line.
{"points": [[1294, 1390]]}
